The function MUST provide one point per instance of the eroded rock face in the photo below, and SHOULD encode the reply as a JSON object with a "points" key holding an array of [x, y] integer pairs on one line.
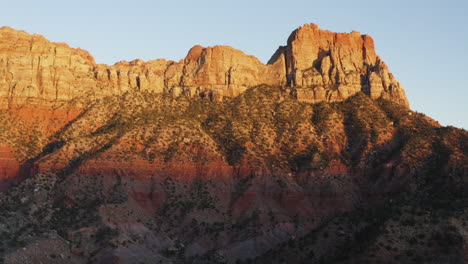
{"points": [[333, 66], [31, 66], [322, 65], [222, 71]]}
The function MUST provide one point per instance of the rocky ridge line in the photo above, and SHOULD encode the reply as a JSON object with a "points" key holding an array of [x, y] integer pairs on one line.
{"points": [[320, 65]]}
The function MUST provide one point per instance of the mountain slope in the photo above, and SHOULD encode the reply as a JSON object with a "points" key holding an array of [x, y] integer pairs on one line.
{"points": [[177, 178], [314, 157]]}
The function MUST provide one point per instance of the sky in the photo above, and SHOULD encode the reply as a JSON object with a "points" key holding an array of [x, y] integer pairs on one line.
{"points": [[424, 43]]}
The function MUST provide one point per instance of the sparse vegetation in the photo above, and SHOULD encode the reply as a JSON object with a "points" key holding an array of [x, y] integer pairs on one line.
{"points": [[357, 180]]}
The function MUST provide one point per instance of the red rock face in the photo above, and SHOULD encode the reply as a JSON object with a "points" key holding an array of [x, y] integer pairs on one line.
{"points": [[22, 135], [327, 66], [9, 166], [334, 66]]}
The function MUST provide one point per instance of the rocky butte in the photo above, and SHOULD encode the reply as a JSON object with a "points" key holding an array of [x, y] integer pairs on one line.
{"points": [[314, 157]]}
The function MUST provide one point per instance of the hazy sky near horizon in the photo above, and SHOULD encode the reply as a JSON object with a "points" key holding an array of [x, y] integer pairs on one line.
{"points": [[424, 43]]}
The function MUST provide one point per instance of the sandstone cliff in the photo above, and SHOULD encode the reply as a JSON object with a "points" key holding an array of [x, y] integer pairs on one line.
{"points": [[336, 66], [319, 65]]}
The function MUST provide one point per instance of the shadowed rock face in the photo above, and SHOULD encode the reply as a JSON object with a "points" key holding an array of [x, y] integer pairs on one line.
{"points": [[323, 65]]}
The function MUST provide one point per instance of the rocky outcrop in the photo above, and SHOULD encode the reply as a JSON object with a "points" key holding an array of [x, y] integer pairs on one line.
{"points": [[322, 65], [333, 66], [33, 67], [222, 71]]}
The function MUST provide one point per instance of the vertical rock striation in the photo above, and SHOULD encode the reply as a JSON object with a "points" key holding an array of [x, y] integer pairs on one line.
{"points": [[334, 66]]}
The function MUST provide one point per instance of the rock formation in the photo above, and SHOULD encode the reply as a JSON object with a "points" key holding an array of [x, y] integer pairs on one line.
{"points": [[320, 66], [336, 66], [101, 164]]}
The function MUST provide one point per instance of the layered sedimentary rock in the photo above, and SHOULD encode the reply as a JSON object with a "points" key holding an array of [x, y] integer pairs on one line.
{"points": [[336, 66], [320, 66], [221, 71]]}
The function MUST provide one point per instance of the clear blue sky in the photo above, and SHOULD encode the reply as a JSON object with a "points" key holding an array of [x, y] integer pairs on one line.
{"points": [[424, 42]]}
